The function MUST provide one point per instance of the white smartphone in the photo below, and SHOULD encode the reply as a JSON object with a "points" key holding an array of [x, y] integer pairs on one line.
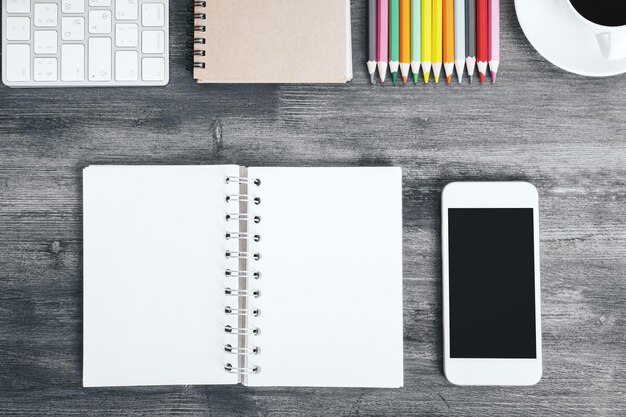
{"points": [[491, 301]]}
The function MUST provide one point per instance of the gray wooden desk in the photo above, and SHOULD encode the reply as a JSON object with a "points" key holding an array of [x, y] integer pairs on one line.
{"points": [[564, 133]]}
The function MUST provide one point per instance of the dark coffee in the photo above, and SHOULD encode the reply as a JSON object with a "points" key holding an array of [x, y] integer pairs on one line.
{"points": [[602, 12]]}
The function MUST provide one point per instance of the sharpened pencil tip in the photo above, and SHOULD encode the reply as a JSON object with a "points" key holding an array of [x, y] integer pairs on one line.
{"points": [[394, 76], [449, 79], [426, 77], [494, 75], [436, 79], [414, 78], [404, 80], [482, 78], [372, 80]]}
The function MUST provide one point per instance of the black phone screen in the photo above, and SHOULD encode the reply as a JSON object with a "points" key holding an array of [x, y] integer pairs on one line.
{"points": [[491, 283]]}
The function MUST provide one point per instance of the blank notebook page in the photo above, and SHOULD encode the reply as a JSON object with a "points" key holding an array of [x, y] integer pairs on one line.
{"points": [[331, 283], [154, 275]]}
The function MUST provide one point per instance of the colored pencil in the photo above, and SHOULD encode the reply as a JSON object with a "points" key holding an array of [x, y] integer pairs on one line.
{"points": [[470, 37], [437, 38], [482, 37], [394, 38], [448, 39], [494, 38], [383, 38], [459, 38], [372, 50], [416, 38], [427, 37], [405, 39]]}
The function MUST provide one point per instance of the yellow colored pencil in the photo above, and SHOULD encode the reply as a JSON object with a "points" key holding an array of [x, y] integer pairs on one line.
{"points": [[405, 39], [448, 38], [437, 38], [427, 37]]}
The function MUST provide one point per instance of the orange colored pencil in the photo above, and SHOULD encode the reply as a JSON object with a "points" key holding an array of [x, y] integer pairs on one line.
{"points": [[405, 38], [448, 38]]}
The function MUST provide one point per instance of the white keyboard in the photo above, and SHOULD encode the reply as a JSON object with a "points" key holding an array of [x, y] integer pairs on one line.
{"points": [[85, 43]]}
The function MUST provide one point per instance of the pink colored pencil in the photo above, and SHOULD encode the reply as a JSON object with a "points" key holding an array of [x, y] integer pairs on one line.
{"points": [[383, 38], [494, 38]]}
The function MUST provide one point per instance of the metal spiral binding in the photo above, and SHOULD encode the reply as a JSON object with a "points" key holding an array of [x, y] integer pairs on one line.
{"points": [[239, 216], [243, 180], [256, 238], [242, 294], [246, 351], [240, 197], [247, 370], [245, 255], [233, 273], [199, 28], [243, 311], [242, 330]]}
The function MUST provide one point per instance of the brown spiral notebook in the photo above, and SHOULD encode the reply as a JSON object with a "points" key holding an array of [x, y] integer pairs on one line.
{"points": [[272, 41]]}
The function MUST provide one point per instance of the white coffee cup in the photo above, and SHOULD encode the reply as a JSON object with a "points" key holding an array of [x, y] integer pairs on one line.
{"points": [[611, 39]]}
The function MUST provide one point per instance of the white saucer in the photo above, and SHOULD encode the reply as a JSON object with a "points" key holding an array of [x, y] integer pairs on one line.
{"points": [[558, 34]]}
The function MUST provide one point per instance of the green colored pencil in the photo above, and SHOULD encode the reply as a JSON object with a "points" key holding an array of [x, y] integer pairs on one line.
{"points": [[394, 38], [416, 37]]}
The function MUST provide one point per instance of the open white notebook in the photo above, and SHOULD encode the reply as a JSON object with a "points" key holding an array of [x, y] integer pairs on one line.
{"points": [[226, 275]]}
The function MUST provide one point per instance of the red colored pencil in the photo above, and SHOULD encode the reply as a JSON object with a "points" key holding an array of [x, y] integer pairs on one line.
{"points": [[482, 37]]}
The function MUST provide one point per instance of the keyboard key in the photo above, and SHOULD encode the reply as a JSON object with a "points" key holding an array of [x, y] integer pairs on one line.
{"points": [[99, 59], [126, 9], [153, 42], [45, 69], [73, 6], [126, 35], [153, 69], [153, 14], [99, 21], [126, 65], [73, 62], [18, 28], [100, 3], [73, 28], [18, 63], [45, 14], [18, 6], [45, 42]]}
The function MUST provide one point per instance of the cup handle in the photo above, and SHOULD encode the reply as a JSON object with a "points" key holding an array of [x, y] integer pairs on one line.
{"points": [[612, 45]]}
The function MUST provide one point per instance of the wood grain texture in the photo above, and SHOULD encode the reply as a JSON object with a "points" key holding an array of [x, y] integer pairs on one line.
{"points": [[564, 133]]}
